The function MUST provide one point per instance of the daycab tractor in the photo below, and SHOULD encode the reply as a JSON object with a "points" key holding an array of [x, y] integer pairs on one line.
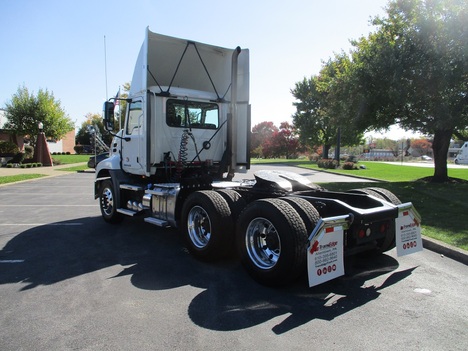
{"points": [[186, 134]]}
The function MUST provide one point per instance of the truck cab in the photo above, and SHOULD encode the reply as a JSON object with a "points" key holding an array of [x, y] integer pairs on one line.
{"points": [[188, 109], [186, 129]]}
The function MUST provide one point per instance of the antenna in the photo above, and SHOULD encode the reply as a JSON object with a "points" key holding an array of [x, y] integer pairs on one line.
{"points": [[105, 65]]}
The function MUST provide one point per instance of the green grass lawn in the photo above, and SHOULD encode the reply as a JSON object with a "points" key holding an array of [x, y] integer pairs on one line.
{"points": [[19, 177], [443, 207], [69, 159], [393, 172], [375, 170]]}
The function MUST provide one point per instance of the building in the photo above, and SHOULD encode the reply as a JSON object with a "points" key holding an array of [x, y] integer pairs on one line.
{"points": [[378, 154], [66, 144]]}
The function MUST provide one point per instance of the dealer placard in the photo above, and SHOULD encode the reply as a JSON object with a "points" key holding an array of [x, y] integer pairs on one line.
{"points": [[408, 231], [325, 258]]}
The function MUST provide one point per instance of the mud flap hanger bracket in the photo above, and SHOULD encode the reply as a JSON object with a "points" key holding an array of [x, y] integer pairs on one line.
{"points": [[319, 231]]}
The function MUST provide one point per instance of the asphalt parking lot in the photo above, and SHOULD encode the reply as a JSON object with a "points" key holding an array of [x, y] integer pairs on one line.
{"points": [[69, 281]]}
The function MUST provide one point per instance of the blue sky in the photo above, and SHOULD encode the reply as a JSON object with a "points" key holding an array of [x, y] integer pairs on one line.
{"points": [[59, 45]]}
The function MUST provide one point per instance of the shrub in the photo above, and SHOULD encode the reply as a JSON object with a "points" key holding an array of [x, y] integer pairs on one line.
{"points": [[7, 147], [349, 165], [68, 152], [314, 158], [10, 165], [352, 158], [18, 158], [327, 163], [28, 151], [79, 149]]}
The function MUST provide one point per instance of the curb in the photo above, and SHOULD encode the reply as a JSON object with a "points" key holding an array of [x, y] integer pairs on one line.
{"points": [[445, 249], [45, 172]]}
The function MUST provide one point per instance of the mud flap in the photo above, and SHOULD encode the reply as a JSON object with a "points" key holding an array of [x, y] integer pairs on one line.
{"points": [[325, 252], [408, 230]]}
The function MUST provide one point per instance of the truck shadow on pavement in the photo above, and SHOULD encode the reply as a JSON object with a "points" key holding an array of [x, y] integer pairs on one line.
{"points": [[155, 259]]}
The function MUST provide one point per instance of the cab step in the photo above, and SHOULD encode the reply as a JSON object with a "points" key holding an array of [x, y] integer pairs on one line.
{"points": [[131, 187], [157, 222], [127, 212]]}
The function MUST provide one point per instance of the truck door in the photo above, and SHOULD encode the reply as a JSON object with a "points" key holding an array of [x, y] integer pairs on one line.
{"points": [[133, 148]]}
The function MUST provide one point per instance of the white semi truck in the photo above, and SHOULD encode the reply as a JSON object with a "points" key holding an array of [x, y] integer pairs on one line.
{"points": [[186, 134]]}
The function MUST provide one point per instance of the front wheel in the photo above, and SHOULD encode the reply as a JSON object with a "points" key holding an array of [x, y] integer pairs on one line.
{"points": [[108, 203]]}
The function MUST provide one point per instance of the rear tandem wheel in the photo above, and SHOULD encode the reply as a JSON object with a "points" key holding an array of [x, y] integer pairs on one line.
{"points": [[206, 225], [388, 242], [272, 241]]}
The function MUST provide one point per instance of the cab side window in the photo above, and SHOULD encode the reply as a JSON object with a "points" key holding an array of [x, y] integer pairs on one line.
{"points": [[192, 114], [134, 118]]}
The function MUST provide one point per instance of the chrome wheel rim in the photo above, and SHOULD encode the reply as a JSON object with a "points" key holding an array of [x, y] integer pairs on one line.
{"points": [[199, 227], [263, 243], [107, 201]]}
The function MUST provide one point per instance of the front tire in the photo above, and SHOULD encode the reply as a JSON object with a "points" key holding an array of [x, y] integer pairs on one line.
{"points": [[108, 203], [272, 242]]}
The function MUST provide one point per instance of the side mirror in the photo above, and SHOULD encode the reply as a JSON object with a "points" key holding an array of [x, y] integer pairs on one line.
{"points": [[109, 115]]}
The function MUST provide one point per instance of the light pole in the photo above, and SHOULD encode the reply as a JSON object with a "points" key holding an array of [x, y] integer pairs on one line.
{"points": [[402, 150]]}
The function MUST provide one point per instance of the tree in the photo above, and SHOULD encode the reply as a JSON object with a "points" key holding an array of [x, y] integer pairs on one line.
{"points": [[320, 111], [310, 117], [25, 111], [421, 146], [461, 134], [414, 71], [283, 142], [261, 132], [84, 137]]}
